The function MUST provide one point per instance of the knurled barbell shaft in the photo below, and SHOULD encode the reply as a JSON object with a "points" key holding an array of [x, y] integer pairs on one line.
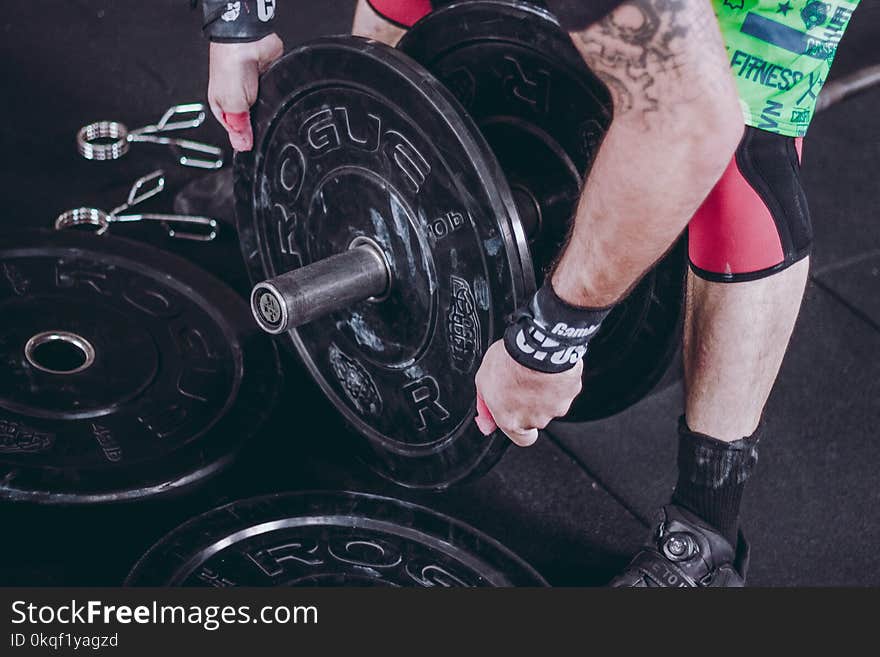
{"points": [[320, 288]]}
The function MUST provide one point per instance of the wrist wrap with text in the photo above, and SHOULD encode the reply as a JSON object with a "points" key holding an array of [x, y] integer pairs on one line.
{"points": [[238, 21], [550, 335]]}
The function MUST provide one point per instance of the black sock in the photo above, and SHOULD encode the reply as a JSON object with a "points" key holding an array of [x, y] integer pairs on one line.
{"points": [[712, 475]]}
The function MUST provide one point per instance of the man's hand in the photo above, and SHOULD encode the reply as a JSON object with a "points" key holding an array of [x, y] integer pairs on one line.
{"points": [[234, 79], [519, 400]]}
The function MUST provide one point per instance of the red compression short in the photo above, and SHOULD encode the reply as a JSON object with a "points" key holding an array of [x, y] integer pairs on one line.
{"points": [[404, 13]]}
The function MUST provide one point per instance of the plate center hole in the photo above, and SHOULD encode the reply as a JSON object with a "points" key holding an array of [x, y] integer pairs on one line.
{"points": [[59, 352]]}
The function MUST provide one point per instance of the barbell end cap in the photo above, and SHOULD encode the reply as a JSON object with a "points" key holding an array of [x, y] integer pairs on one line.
{"points": [[269, 309]]}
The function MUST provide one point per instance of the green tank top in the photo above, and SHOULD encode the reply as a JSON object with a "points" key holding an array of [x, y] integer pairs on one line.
{"points": [[780, 53]]}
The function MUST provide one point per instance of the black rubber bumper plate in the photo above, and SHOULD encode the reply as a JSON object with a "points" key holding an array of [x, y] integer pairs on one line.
{"points": [[329, 539], [126, 372]]}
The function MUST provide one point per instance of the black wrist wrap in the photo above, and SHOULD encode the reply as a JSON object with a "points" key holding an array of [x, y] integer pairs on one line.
{"points": [[550, 335], [237, 21]]}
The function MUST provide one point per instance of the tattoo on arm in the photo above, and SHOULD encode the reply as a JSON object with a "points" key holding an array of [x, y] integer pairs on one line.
{"points": [[639, 46]]}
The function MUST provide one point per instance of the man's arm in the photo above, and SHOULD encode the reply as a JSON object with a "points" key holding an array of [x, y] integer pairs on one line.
{"points": [[676, 125]]}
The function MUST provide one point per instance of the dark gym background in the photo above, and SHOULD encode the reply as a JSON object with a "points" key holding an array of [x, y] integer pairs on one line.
{"points": [[577, 504]]}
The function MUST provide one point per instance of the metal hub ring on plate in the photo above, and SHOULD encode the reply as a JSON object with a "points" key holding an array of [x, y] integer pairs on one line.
{"points": [[329, 539], [128, 372], [59, 352]]}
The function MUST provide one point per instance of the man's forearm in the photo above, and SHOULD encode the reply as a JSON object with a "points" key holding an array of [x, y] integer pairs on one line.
{"points": [[676, 124]]}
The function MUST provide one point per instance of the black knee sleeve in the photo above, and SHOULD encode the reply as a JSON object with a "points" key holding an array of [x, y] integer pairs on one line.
{"points": [[756, 221]]}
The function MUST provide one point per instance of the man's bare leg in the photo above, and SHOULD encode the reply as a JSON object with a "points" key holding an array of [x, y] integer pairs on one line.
{"points": [[736, 335], [735, 338], [367, 23]]}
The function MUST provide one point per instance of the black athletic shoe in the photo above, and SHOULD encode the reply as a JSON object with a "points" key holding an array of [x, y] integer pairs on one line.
{"points": [[684, 551]]}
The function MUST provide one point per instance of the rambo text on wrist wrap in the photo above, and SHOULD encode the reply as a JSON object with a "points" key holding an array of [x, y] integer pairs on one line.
{"points": [[550, 335], [238, 21]]}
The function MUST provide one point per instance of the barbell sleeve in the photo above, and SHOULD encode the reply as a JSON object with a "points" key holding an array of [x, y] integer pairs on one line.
{"points": [[321, 288]]}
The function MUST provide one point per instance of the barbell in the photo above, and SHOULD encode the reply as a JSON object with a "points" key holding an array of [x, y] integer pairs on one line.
{"points": [[400, 204]]}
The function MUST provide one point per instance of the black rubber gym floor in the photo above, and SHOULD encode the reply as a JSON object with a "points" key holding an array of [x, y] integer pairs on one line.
{"points": [[577, 504]]}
